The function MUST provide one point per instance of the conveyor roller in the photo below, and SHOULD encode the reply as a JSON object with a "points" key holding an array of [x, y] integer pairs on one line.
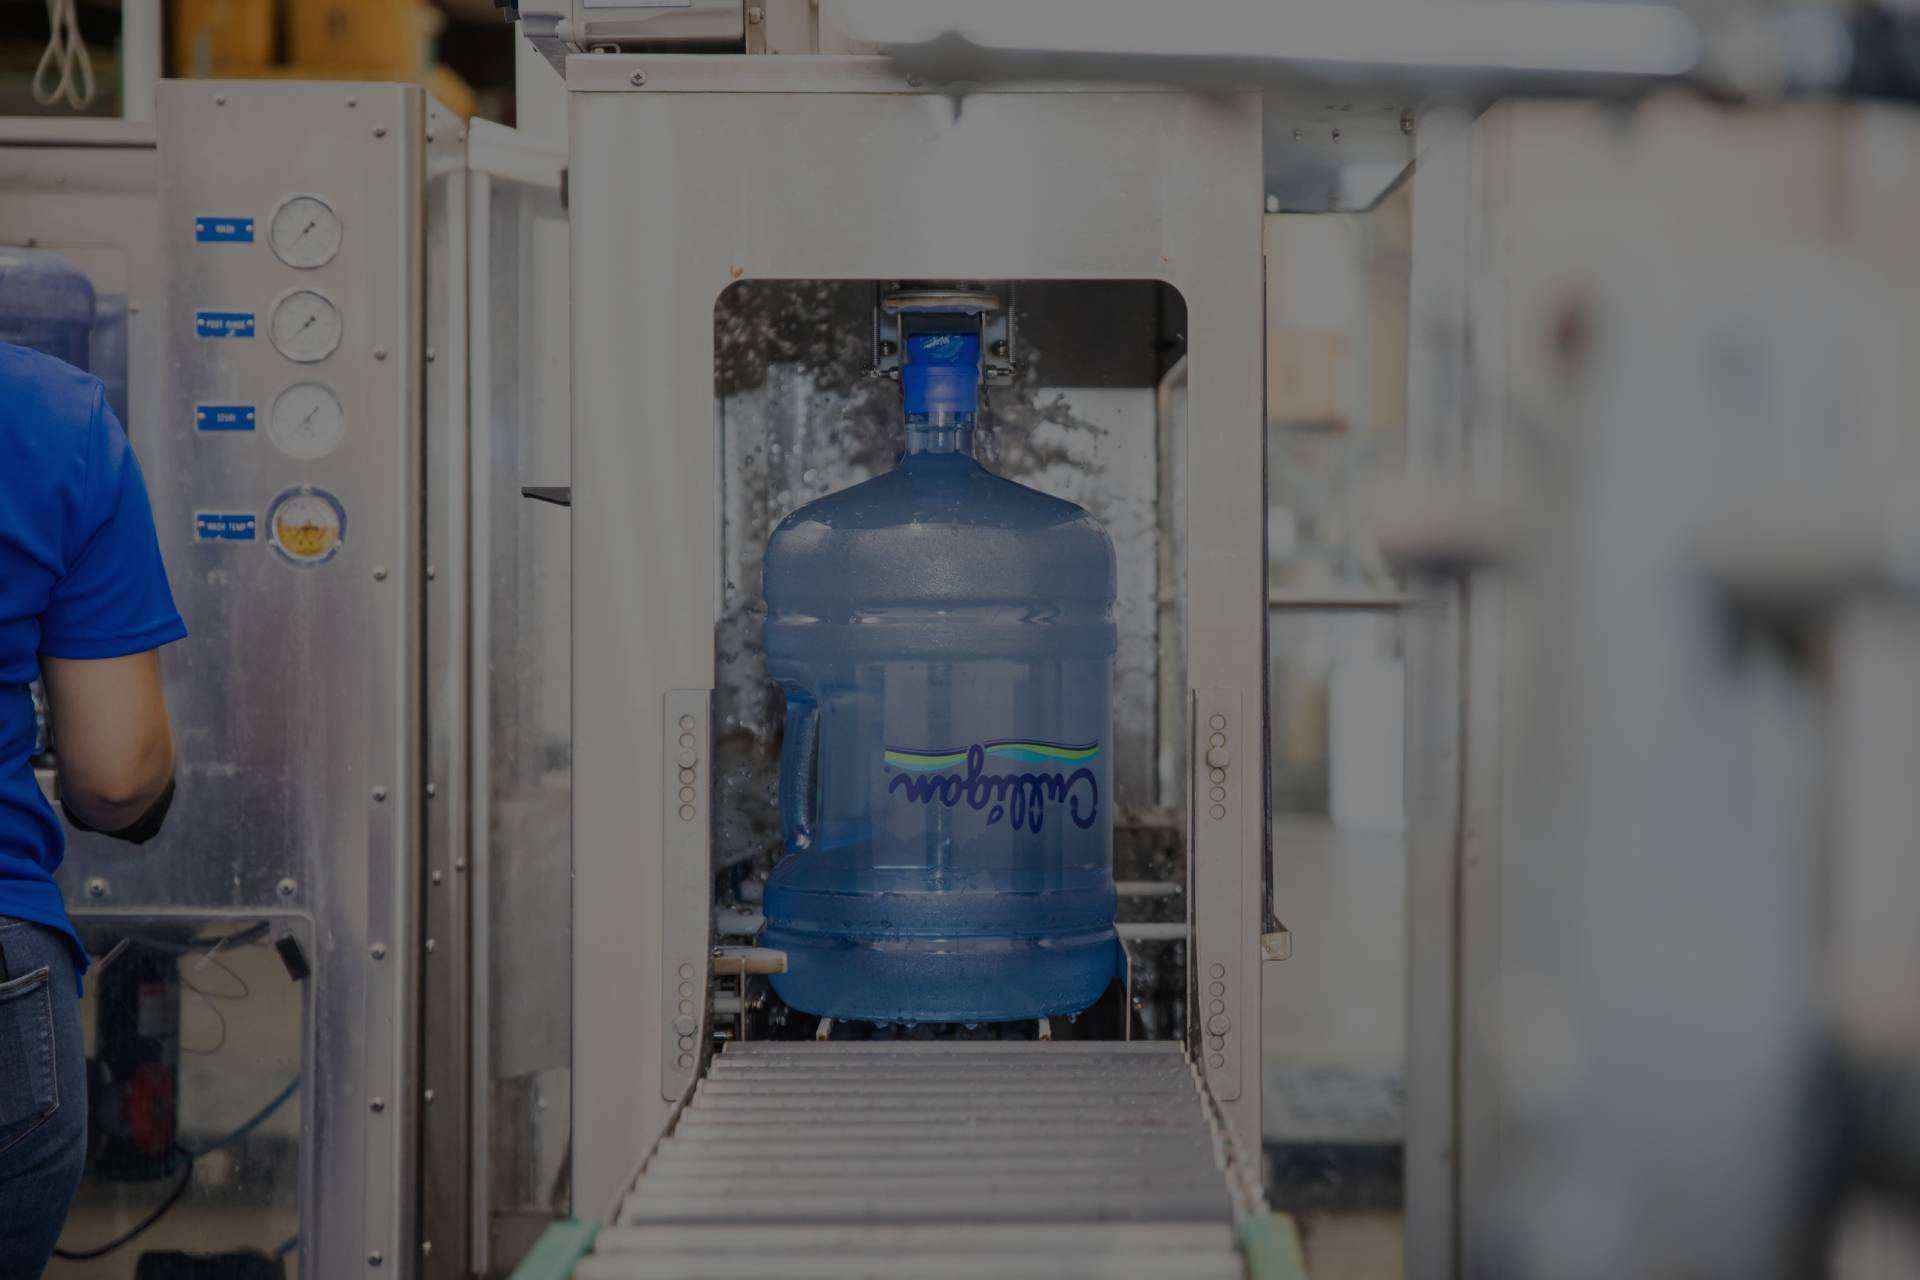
{"points": [[932, 1159]]}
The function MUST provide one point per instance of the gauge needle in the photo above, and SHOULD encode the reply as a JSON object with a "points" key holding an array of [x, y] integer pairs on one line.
{"points": [[303, 232], [309, 418]]}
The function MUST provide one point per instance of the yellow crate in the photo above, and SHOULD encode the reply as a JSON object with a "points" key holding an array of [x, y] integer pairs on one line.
{"points": [[386, 39], [222, 37]]}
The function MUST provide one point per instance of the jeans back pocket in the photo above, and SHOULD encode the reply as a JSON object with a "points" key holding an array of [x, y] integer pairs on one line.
{"points": [[28, 1092]]}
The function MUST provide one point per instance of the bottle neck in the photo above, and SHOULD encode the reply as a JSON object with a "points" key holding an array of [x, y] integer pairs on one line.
{"points": [[944, 432]]}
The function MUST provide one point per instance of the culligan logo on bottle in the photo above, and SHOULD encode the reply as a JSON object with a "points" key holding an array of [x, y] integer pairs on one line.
{"points": [[945, 641]]}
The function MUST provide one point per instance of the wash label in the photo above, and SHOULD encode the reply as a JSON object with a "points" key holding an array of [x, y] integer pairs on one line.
{"points": [[209, 229]]}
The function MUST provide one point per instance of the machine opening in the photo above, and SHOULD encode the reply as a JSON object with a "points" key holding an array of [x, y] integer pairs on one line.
{"points": [[1081, 401]]}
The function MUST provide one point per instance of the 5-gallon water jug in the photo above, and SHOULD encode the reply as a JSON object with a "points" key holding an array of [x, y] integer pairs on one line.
{"points": [[46, 303], [945, 639]]}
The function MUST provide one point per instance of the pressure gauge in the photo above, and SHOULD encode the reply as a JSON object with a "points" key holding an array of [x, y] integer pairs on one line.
{"points": [[306, 421], [305, 325], [304, 232]]}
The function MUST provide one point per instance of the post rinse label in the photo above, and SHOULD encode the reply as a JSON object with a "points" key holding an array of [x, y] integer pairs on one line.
{"points": [[223, 324]]}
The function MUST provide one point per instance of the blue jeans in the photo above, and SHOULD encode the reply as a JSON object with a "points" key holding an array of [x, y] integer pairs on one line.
{"points": [[43, 1095]]}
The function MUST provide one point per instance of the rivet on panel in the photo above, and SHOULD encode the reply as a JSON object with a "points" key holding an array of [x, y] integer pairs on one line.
{"points": [[219, 99], [459, 864], [287, 888], [378, 1105], [432, 355], [438, 876], [379, 794], [637, 79], [379, 573], [427, 1097], [431, 946], [97, 887], [433, 789], [379, 353], [375, 1258], [379, 131], [378, 951], [433, 571]]}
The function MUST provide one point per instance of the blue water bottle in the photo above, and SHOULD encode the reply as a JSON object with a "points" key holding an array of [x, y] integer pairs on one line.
{"points": [[945, 640]]}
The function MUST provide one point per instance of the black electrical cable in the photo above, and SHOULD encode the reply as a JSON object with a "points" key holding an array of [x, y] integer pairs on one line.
{"points": [[186, 1176], [137, 1229]]}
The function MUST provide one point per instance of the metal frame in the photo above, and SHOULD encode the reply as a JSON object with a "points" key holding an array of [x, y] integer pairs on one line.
{"points": [[507, 294], [853, 173], [448, 957], [1440, 428]]}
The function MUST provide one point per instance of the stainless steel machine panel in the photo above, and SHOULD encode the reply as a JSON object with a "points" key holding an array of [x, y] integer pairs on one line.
{"points": [[294, 549]]}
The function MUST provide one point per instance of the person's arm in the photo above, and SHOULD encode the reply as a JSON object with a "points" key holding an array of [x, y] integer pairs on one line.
{"points": [[111, 736], [104, 619]]}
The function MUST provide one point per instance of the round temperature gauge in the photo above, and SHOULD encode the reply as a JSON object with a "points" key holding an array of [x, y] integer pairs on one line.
{"points": [[305, 325], [306, 421], [304, 232]]}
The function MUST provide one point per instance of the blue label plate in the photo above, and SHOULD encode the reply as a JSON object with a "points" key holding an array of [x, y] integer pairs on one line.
{"points": [[218, 526], [223, 417], [223, 324], [210, 229]]}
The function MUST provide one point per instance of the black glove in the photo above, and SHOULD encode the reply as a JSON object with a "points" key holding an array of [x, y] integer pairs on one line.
{"points": [[141, 829]]}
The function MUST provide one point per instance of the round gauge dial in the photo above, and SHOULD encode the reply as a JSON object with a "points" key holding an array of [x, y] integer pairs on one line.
{"points": [[305, 326], [306, 421], [304, 232], [306, 525]]}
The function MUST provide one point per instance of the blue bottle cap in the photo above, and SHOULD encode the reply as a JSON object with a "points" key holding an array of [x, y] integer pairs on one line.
{"points": [[942, 373]]}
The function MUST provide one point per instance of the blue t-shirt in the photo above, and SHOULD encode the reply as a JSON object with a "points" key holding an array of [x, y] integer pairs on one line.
{"points": [[80, 577]]}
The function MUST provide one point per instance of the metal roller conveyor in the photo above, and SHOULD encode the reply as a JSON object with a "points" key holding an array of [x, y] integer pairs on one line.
{"points": [[926, 1159]]}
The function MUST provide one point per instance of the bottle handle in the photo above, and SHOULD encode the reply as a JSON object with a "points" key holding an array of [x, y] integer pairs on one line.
{"points": [[799, 771]]}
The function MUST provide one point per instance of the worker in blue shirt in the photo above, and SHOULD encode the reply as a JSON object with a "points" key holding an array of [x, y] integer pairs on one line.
{"points": [[84, 607]]}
